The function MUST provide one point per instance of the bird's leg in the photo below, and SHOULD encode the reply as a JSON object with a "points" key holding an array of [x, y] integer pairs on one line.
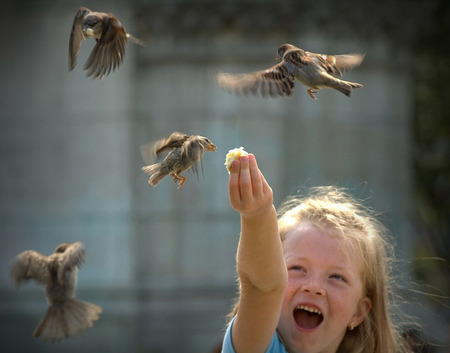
{"points": [[312, 93], [181, 183], [181, 178]]}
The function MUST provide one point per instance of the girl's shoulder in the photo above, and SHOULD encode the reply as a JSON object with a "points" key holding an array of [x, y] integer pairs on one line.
{"points": [[276, 346]]}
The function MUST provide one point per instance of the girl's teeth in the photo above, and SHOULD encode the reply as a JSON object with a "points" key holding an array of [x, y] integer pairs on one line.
{"points": [[311, 310]]}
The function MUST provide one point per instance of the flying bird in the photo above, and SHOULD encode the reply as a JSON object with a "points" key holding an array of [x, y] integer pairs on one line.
{"points": [[316, 71], [184, 153], [65, 315], [111, 38]]}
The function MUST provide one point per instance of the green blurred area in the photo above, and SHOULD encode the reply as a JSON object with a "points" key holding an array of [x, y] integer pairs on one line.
{"points": [[431, 151]]}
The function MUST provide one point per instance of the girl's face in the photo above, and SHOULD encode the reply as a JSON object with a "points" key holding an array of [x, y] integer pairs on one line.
{"points": [[323, 296]]}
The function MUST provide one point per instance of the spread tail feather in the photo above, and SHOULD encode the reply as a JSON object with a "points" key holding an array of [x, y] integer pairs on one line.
{"points": [[157, 173], [66, 319]]}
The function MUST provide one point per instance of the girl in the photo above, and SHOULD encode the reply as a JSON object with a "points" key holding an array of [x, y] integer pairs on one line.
{"points": [[315, 280]]}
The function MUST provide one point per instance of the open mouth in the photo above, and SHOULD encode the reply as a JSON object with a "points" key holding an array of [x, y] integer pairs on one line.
{"points": [[307, 318]]}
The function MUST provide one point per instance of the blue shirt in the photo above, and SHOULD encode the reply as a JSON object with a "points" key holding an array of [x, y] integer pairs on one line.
{"points": [[275, 345]]}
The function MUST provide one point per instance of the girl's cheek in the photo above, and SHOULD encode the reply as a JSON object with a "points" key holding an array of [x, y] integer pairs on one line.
{"points": [[292, 286]]}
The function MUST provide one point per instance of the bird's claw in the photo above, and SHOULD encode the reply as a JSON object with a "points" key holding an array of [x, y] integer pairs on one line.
{"points": [[312, 94], [177, 178]]}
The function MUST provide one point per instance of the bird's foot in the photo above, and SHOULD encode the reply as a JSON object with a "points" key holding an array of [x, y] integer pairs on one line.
{"points": [[179, 178], [312, 93], [181, 183]]}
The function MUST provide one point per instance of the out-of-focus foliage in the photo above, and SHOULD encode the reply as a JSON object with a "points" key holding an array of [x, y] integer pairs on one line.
{"points": [[432, 153]]}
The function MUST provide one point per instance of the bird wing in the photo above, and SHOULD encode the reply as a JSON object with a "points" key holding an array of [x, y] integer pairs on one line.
{"points": [[190, 153], [71, 258], [76, 36], [337, 64], [348, 61], [275, 81], [74, 255], [151, 150], [30, 265], [147, 152], [194, 168], [175, 140], [193, 153], [109, 51], [294, 59]]}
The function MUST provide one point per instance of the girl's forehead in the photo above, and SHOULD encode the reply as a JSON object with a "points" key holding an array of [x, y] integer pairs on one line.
{"points": [[307, 240]]}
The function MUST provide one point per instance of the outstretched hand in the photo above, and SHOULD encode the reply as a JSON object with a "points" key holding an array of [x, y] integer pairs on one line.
{"points": [[249, 192], [259, 261]]}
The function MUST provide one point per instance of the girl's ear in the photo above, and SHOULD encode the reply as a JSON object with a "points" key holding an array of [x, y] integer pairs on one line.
{"points": [[364, 307]]}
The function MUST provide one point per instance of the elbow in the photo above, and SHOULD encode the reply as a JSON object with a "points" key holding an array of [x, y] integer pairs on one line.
{"points": [[269, 283]]}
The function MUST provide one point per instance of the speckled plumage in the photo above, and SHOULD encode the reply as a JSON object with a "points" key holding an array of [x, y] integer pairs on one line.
{"points": [[110, 36], [313, 70], [185, 152], [65, 315]]}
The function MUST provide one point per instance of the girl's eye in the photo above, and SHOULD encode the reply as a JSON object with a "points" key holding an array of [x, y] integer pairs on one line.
{"points": [[336, 276], [296, 268]]}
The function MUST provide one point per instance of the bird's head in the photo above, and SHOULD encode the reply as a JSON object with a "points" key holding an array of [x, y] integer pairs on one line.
{"points": [[92, 26], [282, 50], [61, 248], [207, 144]]}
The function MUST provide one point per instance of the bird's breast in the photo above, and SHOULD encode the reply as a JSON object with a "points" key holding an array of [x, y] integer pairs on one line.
{"points": [[310, 76], [59, 292], [88, 31]]}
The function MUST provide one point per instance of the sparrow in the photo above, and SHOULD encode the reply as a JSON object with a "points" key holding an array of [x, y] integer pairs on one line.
{"points": [[313, 70], [111, 38], [65, 315], [184, 152]]}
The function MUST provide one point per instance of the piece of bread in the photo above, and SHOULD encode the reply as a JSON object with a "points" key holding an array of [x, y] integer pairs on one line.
{"points": [[233, 154]]}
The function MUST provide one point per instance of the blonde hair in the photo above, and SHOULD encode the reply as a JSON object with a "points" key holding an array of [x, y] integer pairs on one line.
{"points": [[333, 210]]}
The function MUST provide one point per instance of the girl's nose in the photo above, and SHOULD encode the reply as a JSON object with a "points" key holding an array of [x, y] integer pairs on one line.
{"points": [[313, 286]]}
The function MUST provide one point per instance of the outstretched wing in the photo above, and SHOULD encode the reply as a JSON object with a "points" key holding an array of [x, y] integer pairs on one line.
{"points": [[294, 59], [109, 51], [69, 259], [151, 150], [30, 265], [175, 140], [76, 36], [275, 81], [191, 153], [338, 64], [73, 255]]}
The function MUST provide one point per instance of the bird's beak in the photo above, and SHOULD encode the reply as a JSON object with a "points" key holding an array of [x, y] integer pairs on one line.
{"points": [[211, 147], [278, 57]]}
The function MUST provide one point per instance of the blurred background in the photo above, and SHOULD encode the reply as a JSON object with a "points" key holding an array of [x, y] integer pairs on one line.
{"points": [[161, 261]]}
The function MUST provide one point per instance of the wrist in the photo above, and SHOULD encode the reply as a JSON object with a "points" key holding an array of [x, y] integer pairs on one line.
{"points": [[259, 216]]}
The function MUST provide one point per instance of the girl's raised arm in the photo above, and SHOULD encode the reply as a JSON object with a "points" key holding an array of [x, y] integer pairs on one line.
{"points": [[260, 261]]}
